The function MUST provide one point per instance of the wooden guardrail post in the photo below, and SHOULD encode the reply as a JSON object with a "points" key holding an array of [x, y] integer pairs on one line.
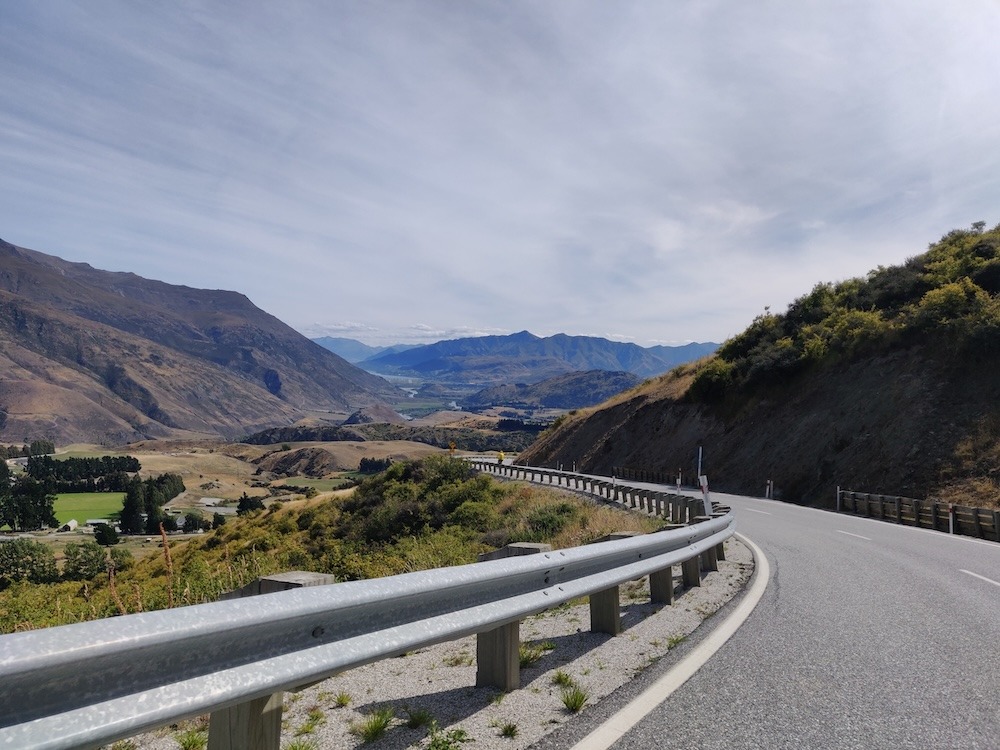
{"points": [[256, 724], [605, 606], [709, 558], [498, 662], [691, 573], [661, 582], [605, 611]]}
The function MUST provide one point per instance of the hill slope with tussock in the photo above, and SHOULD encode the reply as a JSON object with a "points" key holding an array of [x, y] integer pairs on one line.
{"points": [[883, 384]]}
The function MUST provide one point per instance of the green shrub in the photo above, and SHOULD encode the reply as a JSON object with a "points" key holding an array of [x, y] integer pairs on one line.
{"points": [[26, 560], [450, 740], [418, 717], [548, 520], [712, 380]]}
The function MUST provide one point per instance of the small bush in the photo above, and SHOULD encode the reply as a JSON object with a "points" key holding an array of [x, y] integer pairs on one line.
{"points": [[450, 740], [342, 699]]}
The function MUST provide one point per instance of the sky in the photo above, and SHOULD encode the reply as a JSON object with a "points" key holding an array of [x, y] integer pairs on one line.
{"points": [[417, 170]]}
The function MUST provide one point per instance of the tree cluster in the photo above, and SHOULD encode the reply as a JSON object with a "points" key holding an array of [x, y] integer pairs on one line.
{"points": [[142, 508], [374, 465], [27, 560], [25, 505], [98, 474], [249, 505], [36, 448]]}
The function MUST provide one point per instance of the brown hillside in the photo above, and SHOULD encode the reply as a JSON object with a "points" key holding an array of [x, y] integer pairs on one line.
{"points": [[904, 423], [886, 384], [94, 356]]}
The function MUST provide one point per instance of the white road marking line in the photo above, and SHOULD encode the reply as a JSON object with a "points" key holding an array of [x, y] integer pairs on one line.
{"points": [[867, 539], [751, 510], [945, 535], [615, 728], [982, 578]]}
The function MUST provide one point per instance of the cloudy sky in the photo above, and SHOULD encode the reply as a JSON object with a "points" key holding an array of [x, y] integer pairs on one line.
{"points": [[647, 171]]}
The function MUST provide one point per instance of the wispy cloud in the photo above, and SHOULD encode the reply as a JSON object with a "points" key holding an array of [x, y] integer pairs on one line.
{"points": [[399, 171]]}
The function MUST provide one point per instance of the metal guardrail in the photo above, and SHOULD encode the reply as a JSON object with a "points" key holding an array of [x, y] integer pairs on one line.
{"points": [[674, 507], [983, 523], [84, 685]]}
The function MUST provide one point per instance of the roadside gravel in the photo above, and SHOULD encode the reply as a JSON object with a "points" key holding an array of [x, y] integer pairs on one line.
{"points": [[439, 681]]}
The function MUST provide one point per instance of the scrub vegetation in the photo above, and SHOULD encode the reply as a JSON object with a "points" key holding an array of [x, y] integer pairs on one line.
{"points": [[948, 297], [415, 515]]}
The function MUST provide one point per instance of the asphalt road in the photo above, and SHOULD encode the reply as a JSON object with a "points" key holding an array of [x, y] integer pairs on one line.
{"points": [[869, 635]]}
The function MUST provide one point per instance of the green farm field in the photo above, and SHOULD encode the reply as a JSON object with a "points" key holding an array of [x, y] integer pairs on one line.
{"points": [[84, 505]]}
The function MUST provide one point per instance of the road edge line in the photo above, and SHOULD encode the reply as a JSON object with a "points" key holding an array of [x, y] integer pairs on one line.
{"points": [[627, 717]]}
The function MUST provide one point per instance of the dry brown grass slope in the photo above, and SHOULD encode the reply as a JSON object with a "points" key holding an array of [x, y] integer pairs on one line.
{"points": [[907, 422], [95, 356]]}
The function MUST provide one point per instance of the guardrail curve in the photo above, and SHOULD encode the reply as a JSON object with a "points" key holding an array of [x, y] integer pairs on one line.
{"points": [[84, 685]]}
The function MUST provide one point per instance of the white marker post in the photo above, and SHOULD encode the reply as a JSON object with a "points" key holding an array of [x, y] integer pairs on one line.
{"points": [[703, 481]]}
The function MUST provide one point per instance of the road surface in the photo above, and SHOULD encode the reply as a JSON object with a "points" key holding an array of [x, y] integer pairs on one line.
{"points": [[869, 635]]}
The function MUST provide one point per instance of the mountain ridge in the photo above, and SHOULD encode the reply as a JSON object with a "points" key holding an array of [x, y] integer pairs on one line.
{"points": [[91, 355], [525, 357]]}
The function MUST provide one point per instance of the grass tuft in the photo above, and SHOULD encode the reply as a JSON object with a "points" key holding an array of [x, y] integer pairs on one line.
{"points": [[529, 655], [374, 725], [418, 717], [192, 739], [562, 679], [574, 698]]}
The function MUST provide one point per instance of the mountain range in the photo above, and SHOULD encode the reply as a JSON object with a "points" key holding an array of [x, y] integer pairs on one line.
{"points": [[97, 356], [523, 358]]}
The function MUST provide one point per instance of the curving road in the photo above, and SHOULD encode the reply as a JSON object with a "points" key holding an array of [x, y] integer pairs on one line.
{"points": [[868, 635]]}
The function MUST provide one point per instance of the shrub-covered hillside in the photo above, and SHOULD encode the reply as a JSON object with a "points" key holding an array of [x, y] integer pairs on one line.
{"points": [[947, 298], [415, 515], [884, 384]]}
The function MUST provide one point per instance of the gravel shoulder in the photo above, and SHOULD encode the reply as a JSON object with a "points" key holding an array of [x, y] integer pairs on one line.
{"points": [[438, 682]]}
